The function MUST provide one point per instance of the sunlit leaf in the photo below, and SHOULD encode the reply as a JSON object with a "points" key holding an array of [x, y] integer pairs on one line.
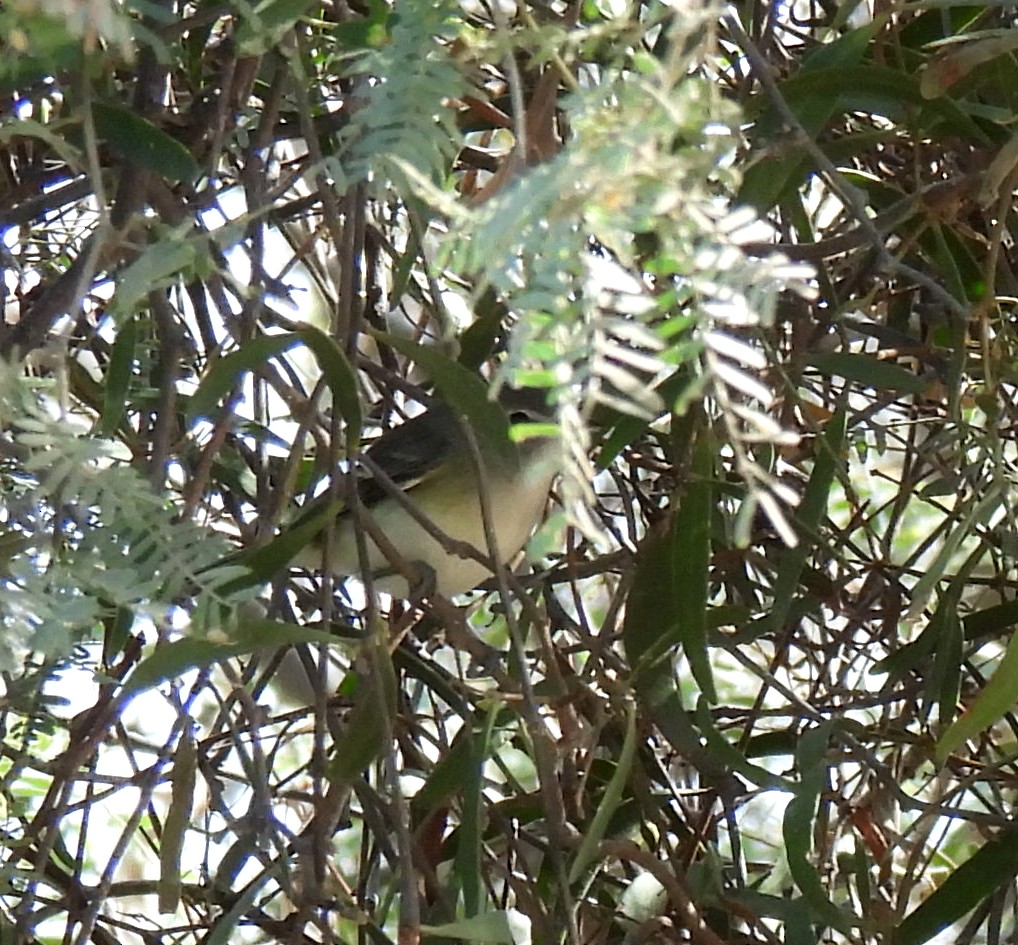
{"points": [[497, 928], [996, 698]]}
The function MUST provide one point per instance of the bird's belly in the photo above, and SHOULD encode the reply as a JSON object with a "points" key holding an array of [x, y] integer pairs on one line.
{"points": [[513, 512]]}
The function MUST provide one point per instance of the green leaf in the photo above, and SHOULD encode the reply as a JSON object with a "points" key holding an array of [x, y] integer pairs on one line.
{"points": [[943, 684], [876, 89], [12, 544], [995, 700], [471, 830], [172, 660], [954, 63], [477, 341], [733, 759], [797, 826], [266, 561], [979, 877], [974, 517], [225, 374], [369, 726], [844, 52], [51, 49], [650, 635], [691, 553], [141, 142], [225, 929], [667, 602], [118, 377], [765, 182], [991, 620], [808, 515], [267, 24], [945, 262], [792, 912], [29, 128], [178, 820], [623, 429], [499, 928], [424, 670], [868, 370], [908, 657], [117, 627], [157, 265], [339, 375], [449, 776], [815, 95], [368, 32], [594, 834], [648, 630]]}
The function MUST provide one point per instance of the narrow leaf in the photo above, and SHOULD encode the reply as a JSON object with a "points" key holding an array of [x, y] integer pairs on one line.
{"points": [[118, 377], [809, 515], [141, 142], [156, 266], [991, 620], [369, 726], [649, 635], [691, 552], [469, 848], [178, 819], [29, 128], [992, 866], [728, 754], [224, 931], [797, 827], [868, 370], [610, 801], [463, 391], [267, 24], [995, 699], [955, 62], [976, 515], [225, 374], [270, 559], [497, 928], [339, 375], [182, 656]]}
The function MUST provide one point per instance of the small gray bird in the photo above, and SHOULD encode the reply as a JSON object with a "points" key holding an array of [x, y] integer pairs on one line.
{"points": [[430, 458]]}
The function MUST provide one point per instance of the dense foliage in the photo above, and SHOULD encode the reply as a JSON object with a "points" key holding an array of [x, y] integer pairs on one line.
{"points": [[756, 682]]}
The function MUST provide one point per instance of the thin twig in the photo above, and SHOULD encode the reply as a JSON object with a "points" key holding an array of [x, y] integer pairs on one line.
{"points": [[846, 191]]}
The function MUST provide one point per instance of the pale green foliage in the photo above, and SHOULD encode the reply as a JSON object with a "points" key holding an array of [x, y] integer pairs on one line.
{"points": [[402, 111], [623, 253], [93, 536]]}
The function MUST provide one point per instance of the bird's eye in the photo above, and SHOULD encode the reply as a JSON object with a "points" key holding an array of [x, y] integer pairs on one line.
{"points": [[520, 416]]}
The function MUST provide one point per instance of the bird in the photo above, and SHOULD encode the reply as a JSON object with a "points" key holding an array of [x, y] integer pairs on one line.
{"points": [[431, 460]]}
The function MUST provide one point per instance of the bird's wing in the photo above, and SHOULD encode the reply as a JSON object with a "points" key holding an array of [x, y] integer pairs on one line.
{"points": [[409, 452]]}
